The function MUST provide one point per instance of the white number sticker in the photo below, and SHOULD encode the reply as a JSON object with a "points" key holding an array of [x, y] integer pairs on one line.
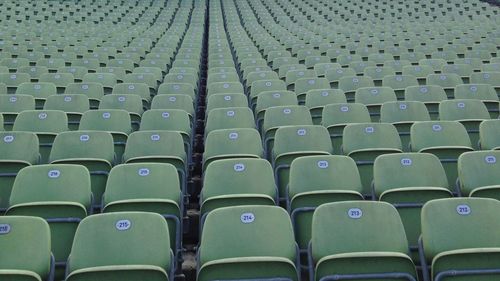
{"points": [[227, 98], [121, 98], [106, 115], [84, 138], [463, 210], [424, 90], [437, 128], [4, 228], [247, 218], [369, 130], [344, 108], [85, 87], [301, 132], [322, 164], [324, 94], [233, 136], [461, 105], [230, 113], [155, 137], [8, 139], [406, 162], [143, 172], [13, 99], [131, 87], [490, 159], [67, 99], [165, 114], [287, 111], [54, 174], [403, 106], [172, 99], [239, 167], [355, 213], [123, 225], [374, 91]]}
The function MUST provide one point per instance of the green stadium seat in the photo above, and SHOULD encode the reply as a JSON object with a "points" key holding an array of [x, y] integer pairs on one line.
{"points": [[291, 142], [61, 195], [370, 244], [98, 251], [271, 254], [25, 258], [445, 139], [233, 182], [17, 150], [316, 180], [477, 174], [92, 149], [420, 178], [159, 193], [458, 238]]}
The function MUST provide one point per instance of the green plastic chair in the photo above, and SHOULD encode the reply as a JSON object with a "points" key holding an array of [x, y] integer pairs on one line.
{"points": [[378, 73], [25, 257], [131, 103], [334, 75], [269, 99], [232, 143], [316, 100], [60, 80], [269, 251], [187, 78], [94, 91], [492, 78], [477, 174], [229, 118], [430, 95], [316, 180], [419, 71], [349, 84], [182, 102], [46, 124], [159, 193], [399, 83], [420, 178], [12, 105], [468, 112], [169, 120], [176, 89], [40, 91], [364, 142], [115, 121], [146, 78], [226, 101], [402, 114], [279, 116], [61, 195], [13, 80], [292, 142], [92, 149], [373, 98], [158, 147], [336, 116], [34, 71], [483, 92], [225, 88], [489, 132], [447, 81], [139, 89], [283, 70], [233, 182], [304, 85], [98, 251], [370, 244], [73, 105], [261, 86], [293, 75], [459, 239], [17, 150], [445, 139]]}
